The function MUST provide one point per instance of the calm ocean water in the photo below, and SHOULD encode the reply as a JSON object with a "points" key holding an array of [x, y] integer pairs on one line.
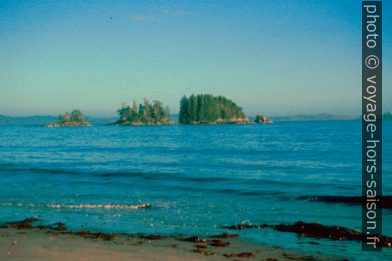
{"points": [[197, 179]]}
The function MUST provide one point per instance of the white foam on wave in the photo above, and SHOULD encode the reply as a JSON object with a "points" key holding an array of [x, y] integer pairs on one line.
{"points": [[79, 206]]}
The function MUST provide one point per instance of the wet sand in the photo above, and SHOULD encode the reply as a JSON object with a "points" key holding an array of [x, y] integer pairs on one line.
{"points": [[51, 244], [38, 245]]}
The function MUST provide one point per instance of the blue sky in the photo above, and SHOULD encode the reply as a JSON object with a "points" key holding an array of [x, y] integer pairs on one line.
{"points": [[274, 57]]}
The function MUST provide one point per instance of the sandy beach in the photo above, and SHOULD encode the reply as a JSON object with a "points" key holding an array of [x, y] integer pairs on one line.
{"points": [[32, 243]]}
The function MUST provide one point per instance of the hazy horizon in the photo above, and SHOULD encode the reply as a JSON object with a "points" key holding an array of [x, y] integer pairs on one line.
{"points": [[274, 58], [115, 115]]}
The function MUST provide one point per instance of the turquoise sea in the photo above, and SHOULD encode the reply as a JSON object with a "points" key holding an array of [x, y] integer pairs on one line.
{"points": [[196, 178]]}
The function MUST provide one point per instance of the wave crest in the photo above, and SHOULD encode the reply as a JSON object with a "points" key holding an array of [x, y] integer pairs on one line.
{"points": [[79, 206]]}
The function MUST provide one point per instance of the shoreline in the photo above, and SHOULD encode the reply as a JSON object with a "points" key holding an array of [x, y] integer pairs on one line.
{"points": [[23, 240], [69, 124], [183, 124]]}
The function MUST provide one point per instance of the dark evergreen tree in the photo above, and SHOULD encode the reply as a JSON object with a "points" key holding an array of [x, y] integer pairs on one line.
{"points": [[207, 109], [193, 108], [184, 115], [76, 116]]}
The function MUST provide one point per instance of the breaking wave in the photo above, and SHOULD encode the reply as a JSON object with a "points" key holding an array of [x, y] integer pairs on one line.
{"points": [[78, 206]]}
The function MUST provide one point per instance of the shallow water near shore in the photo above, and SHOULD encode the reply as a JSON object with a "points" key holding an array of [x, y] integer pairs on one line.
{"points": [[196, 179]]}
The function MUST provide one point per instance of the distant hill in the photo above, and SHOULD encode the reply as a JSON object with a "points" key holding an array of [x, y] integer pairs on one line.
{"points": [[42, 120], [101, 120], [314, 117], [26, 120], [387, 116]]}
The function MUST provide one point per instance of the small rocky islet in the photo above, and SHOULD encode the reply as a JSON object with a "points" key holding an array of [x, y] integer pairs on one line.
{"points": [[144, 114], [73, 119], [263, 119], [208, 109], [194, 110]]}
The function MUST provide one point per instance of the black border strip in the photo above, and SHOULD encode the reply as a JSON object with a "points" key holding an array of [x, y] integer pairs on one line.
{"points": [[372, 125]]}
